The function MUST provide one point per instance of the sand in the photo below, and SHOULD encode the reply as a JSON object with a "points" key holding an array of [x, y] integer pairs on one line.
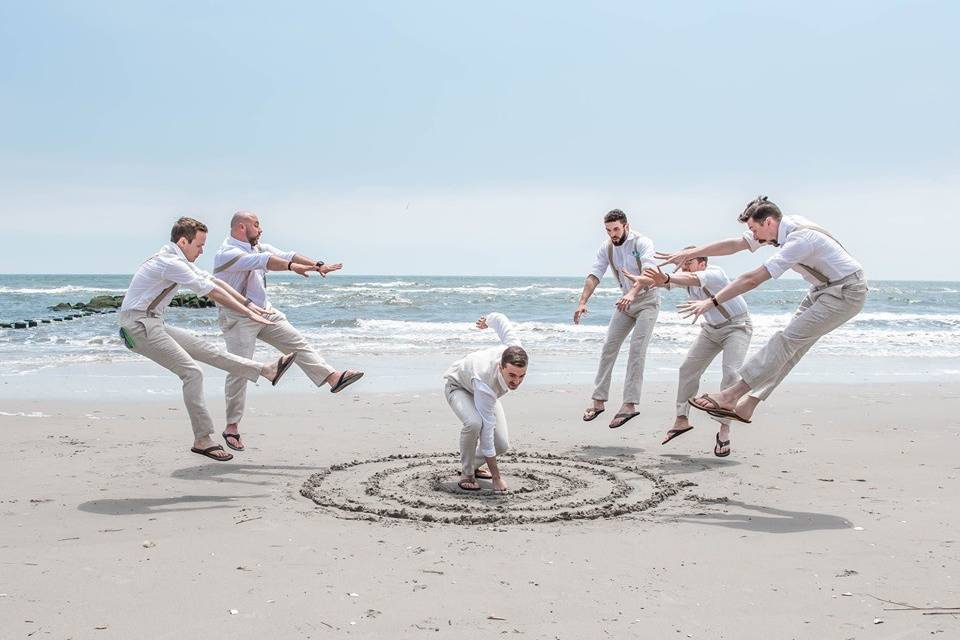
{"points": [[838, 502]]}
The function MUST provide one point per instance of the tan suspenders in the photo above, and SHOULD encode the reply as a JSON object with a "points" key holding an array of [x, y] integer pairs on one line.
{"points": [[723, 312], [246, 281], [814, 272], [616, 272], [163, 294]]}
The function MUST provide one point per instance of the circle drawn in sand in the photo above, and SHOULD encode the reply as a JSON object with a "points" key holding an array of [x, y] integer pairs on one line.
{"points": [[543, 488]]}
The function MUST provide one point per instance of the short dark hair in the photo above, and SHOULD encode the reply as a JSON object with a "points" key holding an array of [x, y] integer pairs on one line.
{"points": [[515, 356], [186, 228], [615, 215], [702, 259], [759, 210]]}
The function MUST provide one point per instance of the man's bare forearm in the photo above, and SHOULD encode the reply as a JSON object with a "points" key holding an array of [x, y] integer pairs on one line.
{"points": [[744, 282], [720, 248], [230, 291], [227, 300], [681, 279], [588, 288]]}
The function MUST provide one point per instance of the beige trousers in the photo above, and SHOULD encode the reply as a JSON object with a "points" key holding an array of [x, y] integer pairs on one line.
{"points": [[241, 335], [732, 340], [178, 350], [461, 401], [639, 318], [821, 311]]}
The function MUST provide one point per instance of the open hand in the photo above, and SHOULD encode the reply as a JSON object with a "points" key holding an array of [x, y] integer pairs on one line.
{"points": [[694, 308], [659, 277], [677, 258], [302, 269], [327, 268], [482, 322]]}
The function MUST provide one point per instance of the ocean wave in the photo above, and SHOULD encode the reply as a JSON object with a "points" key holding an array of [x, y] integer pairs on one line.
{"points": [[60, 290]]}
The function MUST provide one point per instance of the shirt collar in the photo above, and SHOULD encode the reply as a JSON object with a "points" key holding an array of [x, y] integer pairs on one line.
{"points": [[503, 383], [246, 246], [172, 247]]}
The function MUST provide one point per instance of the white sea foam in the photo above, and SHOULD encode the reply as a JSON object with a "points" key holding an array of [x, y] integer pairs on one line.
{"points": [[22, 414], [59, 290]]}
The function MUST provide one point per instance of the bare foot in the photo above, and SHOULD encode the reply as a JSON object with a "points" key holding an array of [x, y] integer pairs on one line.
{"points": [[499, 484], [232, 437]]}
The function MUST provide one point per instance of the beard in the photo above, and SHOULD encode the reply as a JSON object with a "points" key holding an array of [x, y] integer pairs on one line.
{"points": [[254, 240], [619, 242]]}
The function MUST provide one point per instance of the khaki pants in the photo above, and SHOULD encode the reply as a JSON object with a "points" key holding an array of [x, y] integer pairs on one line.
{"points": [[639, 318], [241, 335], [178, 350], [733, 340], [461, 401], [821, 311]]}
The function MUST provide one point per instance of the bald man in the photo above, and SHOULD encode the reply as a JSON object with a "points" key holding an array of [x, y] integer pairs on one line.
{"points": [[243, 262]]}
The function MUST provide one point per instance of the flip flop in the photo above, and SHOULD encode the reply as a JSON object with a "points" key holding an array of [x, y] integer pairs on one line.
{"points": [[282, 365], [714, 408], [624, 418], [675, 433], [345, 381], [235, 436], [208, 452], [482, 474], [461, 483], [591, 413], [720, 444]]}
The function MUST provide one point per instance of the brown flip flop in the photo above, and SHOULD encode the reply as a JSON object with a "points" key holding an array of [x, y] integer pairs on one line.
{"points": [[235, 436], [624, 417], [714, 408], [208, 452], [675, 433], [721, 444], [282, 365], [345, 381], [462, 482], [591, 413]]}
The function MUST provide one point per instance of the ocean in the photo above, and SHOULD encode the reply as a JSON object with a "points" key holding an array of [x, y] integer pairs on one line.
{"points": [[409, 327]]}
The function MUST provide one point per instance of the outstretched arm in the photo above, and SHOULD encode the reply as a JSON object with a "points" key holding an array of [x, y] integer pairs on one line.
{"points": [[500, 323], [720, 248], [745, 282], [588, 288]]}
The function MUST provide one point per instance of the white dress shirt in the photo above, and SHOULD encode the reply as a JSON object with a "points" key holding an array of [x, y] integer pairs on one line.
{"points": [[244, 267], [479, 373], [806, 247], [714, 279], [166, 270], [636, 248]]}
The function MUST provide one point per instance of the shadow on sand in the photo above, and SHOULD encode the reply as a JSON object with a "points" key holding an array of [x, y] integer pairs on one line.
{"points": [[146, 506], [751, 517], [256, 474]]}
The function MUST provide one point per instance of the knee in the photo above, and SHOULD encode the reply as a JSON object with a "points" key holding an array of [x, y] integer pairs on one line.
{"points": [[472, 427], [191, 375]]}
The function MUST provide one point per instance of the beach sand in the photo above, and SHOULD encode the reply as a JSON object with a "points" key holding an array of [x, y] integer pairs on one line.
{"points": [[837, 499]]}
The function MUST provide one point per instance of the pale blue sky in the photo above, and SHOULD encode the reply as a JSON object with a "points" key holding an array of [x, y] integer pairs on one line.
{"points": [[475, 138]]}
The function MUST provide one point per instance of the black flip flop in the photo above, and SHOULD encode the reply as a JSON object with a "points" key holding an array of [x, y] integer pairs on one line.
{"points": [[626, 417], [345, 381], [235, 436], [209, 451], [675, 433], [720, 444], [716, 410], [282, 365], [487, 475], [593, 411], [463, 488]]}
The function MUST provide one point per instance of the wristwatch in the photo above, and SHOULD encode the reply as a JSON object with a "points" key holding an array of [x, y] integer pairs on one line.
{"points": [[320, 263]]}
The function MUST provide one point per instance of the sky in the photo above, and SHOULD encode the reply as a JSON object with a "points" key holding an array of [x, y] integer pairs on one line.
{"points": [[459, 138]]}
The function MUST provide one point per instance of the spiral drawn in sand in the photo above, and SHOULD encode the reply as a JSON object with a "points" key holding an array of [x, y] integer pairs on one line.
{"points": [[543, 488]]}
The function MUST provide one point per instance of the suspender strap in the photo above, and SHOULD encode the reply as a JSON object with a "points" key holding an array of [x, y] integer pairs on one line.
{"points": [[163, 294], [819, 275], [613, 266], [226, 265], [616, 271], [723, 312]]}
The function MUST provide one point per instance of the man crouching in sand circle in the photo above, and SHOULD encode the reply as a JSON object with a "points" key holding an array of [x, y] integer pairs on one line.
{"points": [[473, 386]]}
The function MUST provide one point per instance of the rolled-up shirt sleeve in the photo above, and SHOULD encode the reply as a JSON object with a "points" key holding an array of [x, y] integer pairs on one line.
{"points": [[485, 401], [505, 329], [272, 250], [794, 251], [189, 276], [238, 260], [601, 264]]}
